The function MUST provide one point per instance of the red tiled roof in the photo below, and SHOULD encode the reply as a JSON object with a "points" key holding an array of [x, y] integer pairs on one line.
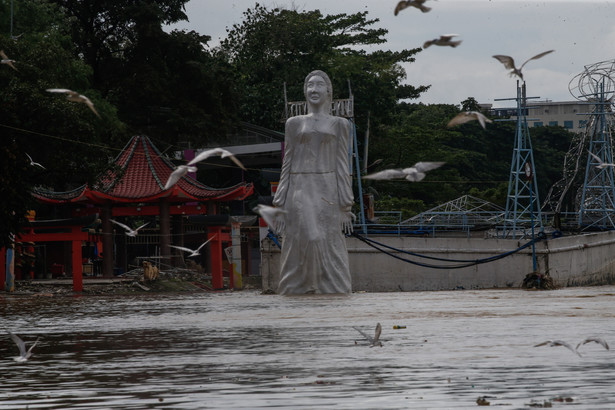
{"points": [[139, 175]]}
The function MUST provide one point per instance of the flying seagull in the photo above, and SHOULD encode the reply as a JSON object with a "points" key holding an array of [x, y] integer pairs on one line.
{"points": [[269, 214], [509, 63], [23, 353], [598, 340], [558, 343], [129, 230], [411, 3], [6, 60], [34, 164], [466, 116], [444, 40], [177, 174], [194, 252], [600, 163], [374, 341], [75, 97], [216, 151], [413, 174]]}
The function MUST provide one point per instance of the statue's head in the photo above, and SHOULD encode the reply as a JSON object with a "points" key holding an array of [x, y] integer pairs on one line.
{"points": [[325, 77]]}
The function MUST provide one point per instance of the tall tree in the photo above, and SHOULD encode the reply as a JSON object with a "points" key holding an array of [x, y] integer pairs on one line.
{"points": [[65, 137], [273, 47], [166, 85]]}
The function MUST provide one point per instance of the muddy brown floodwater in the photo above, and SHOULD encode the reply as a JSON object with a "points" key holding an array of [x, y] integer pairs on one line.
{"points": [[247, 350]]}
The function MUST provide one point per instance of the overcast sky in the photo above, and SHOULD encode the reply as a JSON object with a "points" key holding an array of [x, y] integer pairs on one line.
{"points": [[581, 32]]}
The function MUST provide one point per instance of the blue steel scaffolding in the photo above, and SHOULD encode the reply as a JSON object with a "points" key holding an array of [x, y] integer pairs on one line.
{"points": [[597, 205], [522, 202]]}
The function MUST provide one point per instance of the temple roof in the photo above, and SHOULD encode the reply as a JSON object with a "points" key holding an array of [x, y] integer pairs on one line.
{"points": [[138, 174]]}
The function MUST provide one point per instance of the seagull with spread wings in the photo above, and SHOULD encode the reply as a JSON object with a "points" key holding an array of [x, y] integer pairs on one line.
{"points": [[129, 231], [553, 343], [374, 341], [411, 3], [444, 40], [269, 214], [598, 340], [34, 164], [6, 60], [177, 174], [466, 116], [75, 97], [414, 173], [600, 163], [216, 151], [193, 252], [23, 353], [509, 63]]}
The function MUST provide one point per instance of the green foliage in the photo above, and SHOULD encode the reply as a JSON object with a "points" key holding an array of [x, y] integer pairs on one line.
{"points": [[477, 160], [274, 47], [66, 137], [165, 85]]}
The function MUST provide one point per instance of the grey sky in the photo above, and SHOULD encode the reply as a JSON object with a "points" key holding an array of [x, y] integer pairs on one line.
{"points": [[581, 32]]}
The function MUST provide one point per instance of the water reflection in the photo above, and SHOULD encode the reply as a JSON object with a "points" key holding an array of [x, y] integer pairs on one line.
{"points": [[247, 350]]}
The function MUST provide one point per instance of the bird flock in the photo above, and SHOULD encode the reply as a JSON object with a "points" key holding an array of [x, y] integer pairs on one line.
{"points": [[591, 339], [25, 353], [417, 172], [447, 40]]}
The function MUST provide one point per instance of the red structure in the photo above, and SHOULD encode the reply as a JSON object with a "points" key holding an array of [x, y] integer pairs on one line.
{"points": [[134, 186]]}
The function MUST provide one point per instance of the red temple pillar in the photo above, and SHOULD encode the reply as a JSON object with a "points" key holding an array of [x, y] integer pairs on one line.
{"points": [[77, 260], [2, 267], [217, 281], [107, 251]]}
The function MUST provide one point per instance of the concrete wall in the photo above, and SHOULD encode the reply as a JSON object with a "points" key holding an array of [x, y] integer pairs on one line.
{"points": [[587, 259]]}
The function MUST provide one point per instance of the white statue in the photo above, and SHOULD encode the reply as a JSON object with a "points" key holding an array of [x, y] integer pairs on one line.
{"points": [[315, 192]]}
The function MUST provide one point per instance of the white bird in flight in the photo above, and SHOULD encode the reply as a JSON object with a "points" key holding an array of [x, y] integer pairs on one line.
{"points": [[598, 340], [509, 63], [177, 174], [216, 151], [444, 40], [34, 164], [374, 341], [600, 163], [467, 116], [6, 60], [129, 230], [193, 252], [413, 174], [553, 343], [75, 97], [23, 353], [411, 3], [269, 214]]}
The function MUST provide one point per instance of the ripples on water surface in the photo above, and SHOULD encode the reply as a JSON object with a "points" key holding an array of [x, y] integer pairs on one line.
{"points": [[247, 350]]}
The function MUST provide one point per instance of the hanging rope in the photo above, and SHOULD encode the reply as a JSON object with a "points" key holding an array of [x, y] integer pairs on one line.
{"points": [[463, 263]]}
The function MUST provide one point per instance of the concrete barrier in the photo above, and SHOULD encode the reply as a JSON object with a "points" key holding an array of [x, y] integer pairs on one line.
{"points": [[575, 260]]}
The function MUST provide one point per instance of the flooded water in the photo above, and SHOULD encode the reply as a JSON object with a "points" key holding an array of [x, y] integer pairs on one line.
{"points": [[246, 350]]}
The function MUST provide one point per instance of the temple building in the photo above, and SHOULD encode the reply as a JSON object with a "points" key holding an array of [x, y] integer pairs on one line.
{"points": [[132, 192]]}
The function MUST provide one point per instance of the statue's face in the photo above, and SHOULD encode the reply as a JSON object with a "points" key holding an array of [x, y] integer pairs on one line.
{"points": [[316, 90]]}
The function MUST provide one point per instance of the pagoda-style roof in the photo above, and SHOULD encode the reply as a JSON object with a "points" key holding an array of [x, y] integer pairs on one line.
{"points": [[138, 174]]}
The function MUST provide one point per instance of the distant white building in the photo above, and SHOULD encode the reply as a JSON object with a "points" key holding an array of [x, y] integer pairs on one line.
{"points": [[572, 115]]}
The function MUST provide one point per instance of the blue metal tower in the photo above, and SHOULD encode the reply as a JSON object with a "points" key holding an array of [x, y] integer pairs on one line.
{"points": [[522, 202], [597, 205]]}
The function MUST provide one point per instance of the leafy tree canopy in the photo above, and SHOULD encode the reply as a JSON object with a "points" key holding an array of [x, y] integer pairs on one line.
{"points": [[273, 47]]}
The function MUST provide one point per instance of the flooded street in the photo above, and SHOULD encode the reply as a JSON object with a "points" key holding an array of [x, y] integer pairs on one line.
{"points": [[247, 350]]}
